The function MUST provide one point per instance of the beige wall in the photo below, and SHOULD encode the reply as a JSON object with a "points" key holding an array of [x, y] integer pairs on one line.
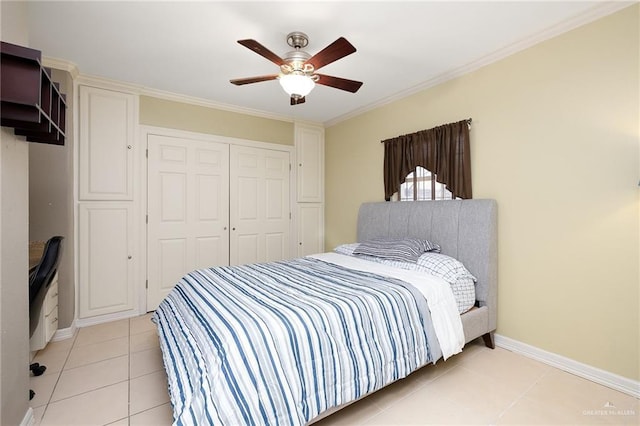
{"points": [[194, 118], [14, 215], [555, 141]]}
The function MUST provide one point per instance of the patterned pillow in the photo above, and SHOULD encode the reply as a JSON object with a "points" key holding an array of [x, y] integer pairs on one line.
{"points": [[400, 249], [346, 249], [443, 266]]}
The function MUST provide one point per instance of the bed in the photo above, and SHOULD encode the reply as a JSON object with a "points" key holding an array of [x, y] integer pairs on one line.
{"points": [[289, 342]]}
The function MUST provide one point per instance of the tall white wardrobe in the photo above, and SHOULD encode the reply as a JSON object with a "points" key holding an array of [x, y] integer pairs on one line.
{"points": [[155, 203]]}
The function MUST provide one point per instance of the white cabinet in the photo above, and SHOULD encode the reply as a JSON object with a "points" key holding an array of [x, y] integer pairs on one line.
{"points": [[309, 143], [108, 123], [48, 320], [105, 258], [310, 228], [108, 128]]}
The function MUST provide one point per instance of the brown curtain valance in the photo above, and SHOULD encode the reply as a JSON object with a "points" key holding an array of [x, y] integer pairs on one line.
{"points": [[443, 150]]}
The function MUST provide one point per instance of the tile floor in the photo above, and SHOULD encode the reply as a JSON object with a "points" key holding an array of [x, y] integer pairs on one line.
{"points": [[112, 374]]}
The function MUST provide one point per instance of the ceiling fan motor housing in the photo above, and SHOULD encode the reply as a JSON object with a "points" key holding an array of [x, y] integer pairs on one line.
{"points": [[297, 40], [295, 61]]}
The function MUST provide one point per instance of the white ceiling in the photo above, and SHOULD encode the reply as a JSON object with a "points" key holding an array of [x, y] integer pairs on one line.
{"points": [[190, 48]]}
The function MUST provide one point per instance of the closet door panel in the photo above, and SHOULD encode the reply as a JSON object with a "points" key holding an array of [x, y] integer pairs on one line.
{"points": [[188, 214], [259, 205]]}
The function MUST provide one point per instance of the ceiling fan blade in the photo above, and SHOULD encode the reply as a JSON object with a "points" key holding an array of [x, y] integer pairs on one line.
{"points": [[249, 80], [336, 50], [339, 83], [297, 101], [262, 51]]}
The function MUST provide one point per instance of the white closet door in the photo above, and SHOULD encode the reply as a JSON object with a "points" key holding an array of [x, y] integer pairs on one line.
{"points": [[259, 205], [188, 208]]}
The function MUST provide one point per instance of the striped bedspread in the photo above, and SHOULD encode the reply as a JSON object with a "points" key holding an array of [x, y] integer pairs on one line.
{"points": [[279, 343]]}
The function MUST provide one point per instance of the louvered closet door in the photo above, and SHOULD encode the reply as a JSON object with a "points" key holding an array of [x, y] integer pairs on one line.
{"points": [[188, 208], [259, 205]]}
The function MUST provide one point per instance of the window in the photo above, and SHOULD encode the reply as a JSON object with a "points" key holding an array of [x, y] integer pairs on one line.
{"points": [[422, 185]]}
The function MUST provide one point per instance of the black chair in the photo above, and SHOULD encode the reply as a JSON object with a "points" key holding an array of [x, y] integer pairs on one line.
{"points": [[40, 278]]}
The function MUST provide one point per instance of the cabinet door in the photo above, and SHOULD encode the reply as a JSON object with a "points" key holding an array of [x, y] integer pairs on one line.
{"points": [[105, 254], [309, 141], [310, 229], [259, 205], [107, 133]]}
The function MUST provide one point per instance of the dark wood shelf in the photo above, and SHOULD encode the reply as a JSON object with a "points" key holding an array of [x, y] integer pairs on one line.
{"points": [[30, 101]]}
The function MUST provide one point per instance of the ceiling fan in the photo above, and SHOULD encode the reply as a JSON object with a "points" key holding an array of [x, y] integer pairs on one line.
{"points": [[298, 68]]}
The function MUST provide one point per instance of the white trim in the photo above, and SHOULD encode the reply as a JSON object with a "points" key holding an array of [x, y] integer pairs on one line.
{"points": [[208, 137], [65, 333], [593, 14], [100, 319], [61, 64], [28, 419], [192, 100], [605, 378]]}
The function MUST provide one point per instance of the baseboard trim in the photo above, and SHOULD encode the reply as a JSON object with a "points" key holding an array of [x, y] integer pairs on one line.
{"points": [[100, 319], [65, 333], [605, 378], [28, 419]]}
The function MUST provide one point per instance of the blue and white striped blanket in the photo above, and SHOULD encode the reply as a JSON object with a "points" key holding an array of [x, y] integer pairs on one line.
{"points": [[279, 343]]}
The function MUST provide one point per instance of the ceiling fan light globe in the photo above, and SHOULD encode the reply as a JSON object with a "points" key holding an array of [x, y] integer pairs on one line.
{"points": [[297, 85]]}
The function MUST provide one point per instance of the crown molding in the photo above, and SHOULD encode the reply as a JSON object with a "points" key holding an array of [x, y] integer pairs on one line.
{"points": [[192, 100], [61, 64], [599, 11]]}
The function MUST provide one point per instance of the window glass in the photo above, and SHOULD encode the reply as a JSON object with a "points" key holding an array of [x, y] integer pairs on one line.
{"points": [[421, 184]]}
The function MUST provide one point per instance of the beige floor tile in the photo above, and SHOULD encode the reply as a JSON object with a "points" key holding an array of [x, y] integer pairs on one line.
{"points": [[158, 416], [121, 422], [352, 415], [511, 369], [426, 407], [88, 354], [101, 332], [480, 393], [141, 324], [395, 391], [53, 360], [43, 386], [90, 377], [580, 396], [530, 412], [58, 346], [98, 407], [149, 391], [145, 362], [37, 415], [143, 341]]}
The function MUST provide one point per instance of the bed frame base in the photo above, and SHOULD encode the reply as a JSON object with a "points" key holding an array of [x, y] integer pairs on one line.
{"points": [[489, 341]]}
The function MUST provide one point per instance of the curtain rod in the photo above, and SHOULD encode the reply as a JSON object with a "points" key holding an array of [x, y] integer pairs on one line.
{"points": [[468, 121]]}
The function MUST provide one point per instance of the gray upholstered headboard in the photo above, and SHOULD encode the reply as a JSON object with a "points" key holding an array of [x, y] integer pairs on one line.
{"points": [[465, 229]]}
